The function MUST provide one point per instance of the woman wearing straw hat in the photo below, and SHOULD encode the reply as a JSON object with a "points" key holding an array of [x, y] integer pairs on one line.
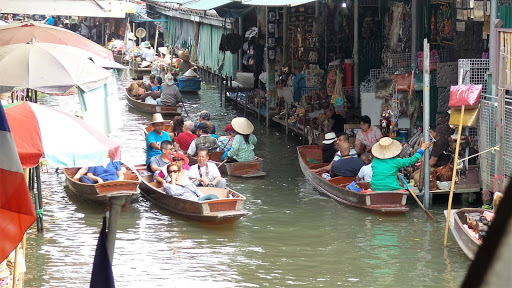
{"points": [[385, 165], [242, 148], [185, 64]]}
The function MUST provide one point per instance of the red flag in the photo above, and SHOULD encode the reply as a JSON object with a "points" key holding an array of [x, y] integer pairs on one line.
{"points": [[17, 211]]}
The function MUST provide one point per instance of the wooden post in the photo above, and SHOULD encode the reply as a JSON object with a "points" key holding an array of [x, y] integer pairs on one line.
{"points": [[154, 46], [452, 186]]}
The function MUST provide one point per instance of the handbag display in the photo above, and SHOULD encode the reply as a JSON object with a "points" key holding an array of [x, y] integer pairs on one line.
{"points": [[418, 81], [465, 95], [402, 81], [384, 88], [434, 60], [470, 118]]}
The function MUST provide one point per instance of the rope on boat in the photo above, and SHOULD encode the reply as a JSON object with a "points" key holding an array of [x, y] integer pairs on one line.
{"points": [[459, 162]]}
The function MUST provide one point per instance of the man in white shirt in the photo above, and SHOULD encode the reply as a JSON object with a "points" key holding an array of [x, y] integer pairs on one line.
{"points": [[129, 43], [148, 53], [205, 173]]}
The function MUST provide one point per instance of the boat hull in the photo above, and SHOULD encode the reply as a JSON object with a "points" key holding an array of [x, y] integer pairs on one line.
{"points": [[466, 241], [380, 201], [189, 84], [152, 108], [100, 193], [224, 210]]}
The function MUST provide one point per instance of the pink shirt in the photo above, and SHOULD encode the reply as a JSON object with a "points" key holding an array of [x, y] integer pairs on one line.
{"points": [[369, 138]]}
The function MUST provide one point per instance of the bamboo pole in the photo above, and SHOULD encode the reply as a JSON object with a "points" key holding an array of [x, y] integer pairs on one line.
{"points": [[452, 186], [156, 40]]}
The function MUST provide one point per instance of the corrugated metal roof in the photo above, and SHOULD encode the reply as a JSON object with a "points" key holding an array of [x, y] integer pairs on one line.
{"points": [[277, 3], [207, 4]]}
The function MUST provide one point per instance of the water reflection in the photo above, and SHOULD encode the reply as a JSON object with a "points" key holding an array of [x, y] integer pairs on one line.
{"points": [[292, 236]]}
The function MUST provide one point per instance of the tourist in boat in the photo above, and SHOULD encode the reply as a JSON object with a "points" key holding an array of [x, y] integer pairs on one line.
{"points": [[180, 186], [329, 147], [170, 94], [184, 139], [205, 173], [155, 138], [242, 148], [340, 139], [108, 171], [204, 116], [366, 172], [136, 89], [153, 96], [203, 140], [347, 166], [226, 141], [386, 164], [368, 135], [175, 158], [176, 127], [157, 162]]}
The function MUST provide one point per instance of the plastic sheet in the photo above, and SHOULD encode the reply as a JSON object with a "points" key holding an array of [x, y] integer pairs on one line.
{"points": [[465, 95], [470, 118]]}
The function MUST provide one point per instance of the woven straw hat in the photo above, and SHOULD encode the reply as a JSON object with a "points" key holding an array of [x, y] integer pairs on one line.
{"points": [[145, 44], [4, 271], [329, 138], [242, 125], [131, 36], [386, 148], [164, 50], [157, 118], [190, 73], [184, 55]]}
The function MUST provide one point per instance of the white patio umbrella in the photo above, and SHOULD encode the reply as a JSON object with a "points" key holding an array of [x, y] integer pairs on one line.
{"points": [[49, 68]]}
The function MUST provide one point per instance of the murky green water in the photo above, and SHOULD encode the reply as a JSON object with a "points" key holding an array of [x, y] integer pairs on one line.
{"points": [[292, 237]]}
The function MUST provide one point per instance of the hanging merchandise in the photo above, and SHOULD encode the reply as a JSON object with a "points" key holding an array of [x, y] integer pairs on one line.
{"points": [[384, 88], [231, 42], [338, 96], [470, 118], [402, 81], [434, 60], [331, 81], [465, 95]]}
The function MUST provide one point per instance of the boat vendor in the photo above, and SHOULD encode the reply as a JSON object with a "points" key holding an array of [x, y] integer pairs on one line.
{"points": [[157, 162], [441, 154], [203, 140], [185, 64], [130, 42], [385, 164], [242, 148], [340, 139], [368, 135], [204, 173], [155, 138], [108, 171], [147, 52]]}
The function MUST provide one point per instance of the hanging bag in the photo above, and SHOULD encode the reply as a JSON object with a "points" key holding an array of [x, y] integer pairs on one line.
{"points": [[402, 81], [465, 95]]}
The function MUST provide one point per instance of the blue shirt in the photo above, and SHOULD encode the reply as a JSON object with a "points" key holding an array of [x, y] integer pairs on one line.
{"points": [[153, 137], [50, 21], [155, 88], [108, 173]]}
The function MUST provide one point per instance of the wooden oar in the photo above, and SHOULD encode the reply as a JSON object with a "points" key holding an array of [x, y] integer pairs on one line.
{"points": [[416, 198], [222, 163]]}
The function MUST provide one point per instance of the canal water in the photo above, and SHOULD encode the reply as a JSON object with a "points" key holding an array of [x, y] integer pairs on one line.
{"points": [[292, 236]]}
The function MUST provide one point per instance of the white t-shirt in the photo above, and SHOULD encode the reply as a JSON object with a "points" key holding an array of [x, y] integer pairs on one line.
{"points": [[365, 173], [213, 171], [147, 54]]}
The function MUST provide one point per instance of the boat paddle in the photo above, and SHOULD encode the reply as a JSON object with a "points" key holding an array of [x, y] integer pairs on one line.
{"points": [[222, 163], [416, 198]]}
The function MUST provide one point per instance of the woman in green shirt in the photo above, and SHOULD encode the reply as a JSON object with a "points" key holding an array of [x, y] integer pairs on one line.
{"points": [[242, 148], [385, 165]]}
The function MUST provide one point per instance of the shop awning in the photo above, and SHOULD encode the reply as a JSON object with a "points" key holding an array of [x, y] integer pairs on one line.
{"points": [[86, 8], [207, 4], [276, 3]]}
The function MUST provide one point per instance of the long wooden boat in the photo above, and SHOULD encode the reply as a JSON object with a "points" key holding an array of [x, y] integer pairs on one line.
{"points": [[335, 188], [227, 209], [464, 237], [246, 169], [129, 187], [152, 108]]}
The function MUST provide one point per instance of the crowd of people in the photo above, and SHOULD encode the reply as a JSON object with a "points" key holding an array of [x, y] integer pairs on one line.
{"points": [[373, 158], [156, 91]]}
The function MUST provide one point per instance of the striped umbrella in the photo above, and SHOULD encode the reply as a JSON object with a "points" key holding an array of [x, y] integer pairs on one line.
{"points": [[64, 139]]}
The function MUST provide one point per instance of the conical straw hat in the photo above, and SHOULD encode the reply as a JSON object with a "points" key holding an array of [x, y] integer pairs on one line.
{"points": [[190, 73], [184, 55], [386, 148], [242, 125]]}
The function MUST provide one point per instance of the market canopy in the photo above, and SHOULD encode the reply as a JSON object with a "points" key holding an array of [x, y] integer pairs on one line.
{"points": [[88, 8]]}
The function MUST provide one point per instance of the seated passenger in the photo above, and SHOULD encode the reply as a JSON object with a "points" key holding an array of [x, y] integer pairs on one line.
{"points": [[347, 166], [205, 173], [329, 147], [157, 162], [341, 139], [153, 96], [226, 141], [365, 174], [243, 143], [109, 171], [170, 94], [203, 140], [155, 138], [204, 116], [182, 187], [184, 139]]}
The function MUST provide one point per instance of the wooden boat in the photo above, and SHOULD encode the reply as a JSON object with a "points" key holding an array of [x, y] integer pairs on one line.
{"points": [[129, 187], [247, 169], [464, 237], [227, 209], [152, 108], [335, 188], [189, 84]]}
